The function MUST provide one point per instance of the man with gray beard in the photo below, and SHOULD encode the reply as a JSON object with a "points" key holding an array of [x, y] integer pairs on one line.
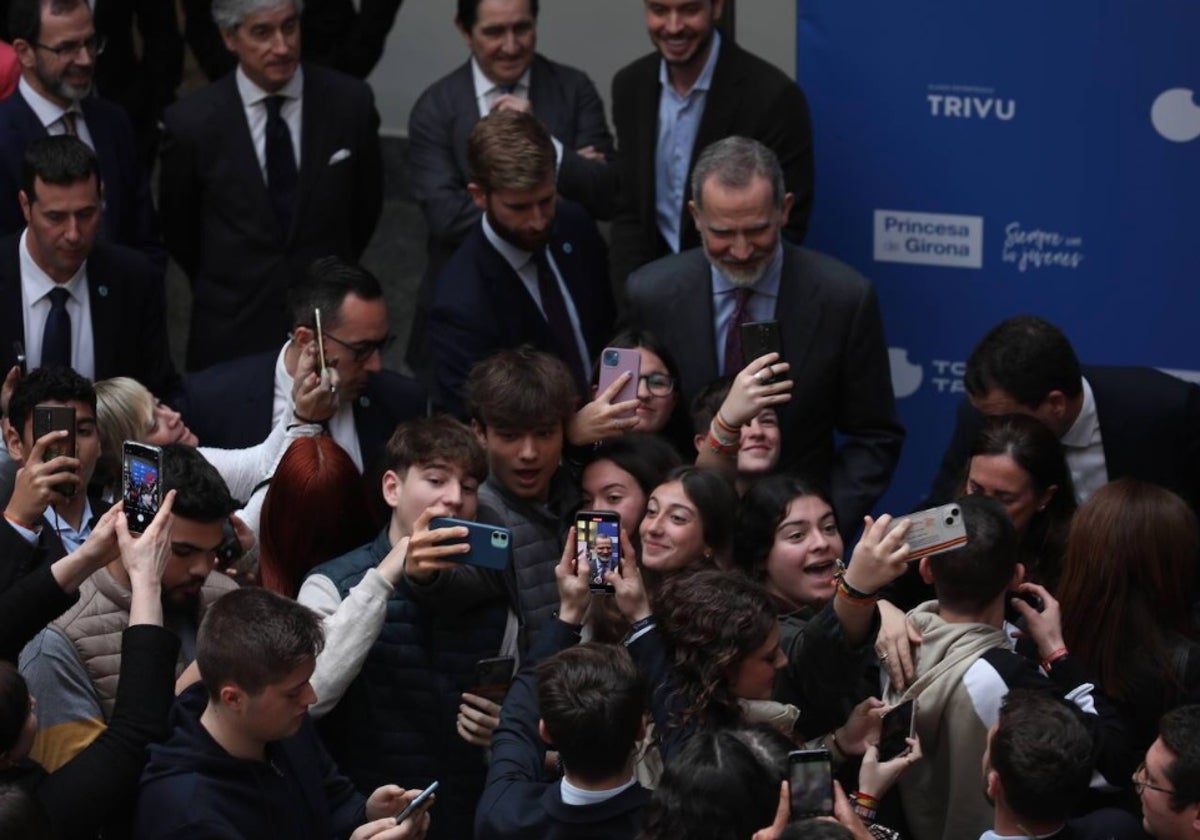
{"points": [[830, 328]]}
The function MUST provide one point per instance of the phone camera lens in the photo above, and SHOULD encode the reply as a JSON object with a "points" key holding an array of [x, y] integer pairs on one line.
{"points": [[949, 520], [611, 358], [954, 512]]}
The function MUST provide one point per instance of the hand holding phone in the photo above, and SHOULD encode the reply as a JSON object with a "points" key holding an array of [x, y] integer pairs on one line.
{"points": [[758, 339], [490, 545], [598, 543], [418, 803], [320, 341], [615, 361], [899, 724], [141, 483], [56, 418], [934, 531]]}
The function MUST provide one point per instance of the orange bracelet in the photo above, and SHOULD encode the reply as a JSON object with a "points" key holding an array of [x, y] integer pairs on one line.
{"points": [[18, 522], [1054, 657]]}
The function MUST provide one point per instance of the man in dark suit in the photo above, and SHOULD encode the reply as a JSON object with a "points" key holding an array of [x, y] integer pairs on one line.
{"points": [[264, 171], [57, 46], [831, 331], [531, 271], [669, 105], [504, 71], [67, 298], [236, 404], [1113, 422]]}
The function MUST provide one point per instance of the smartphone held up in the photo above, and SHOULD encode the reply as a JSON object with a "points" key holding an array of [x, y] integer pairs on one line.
{"points": [[598, 543], [141, 484], [56, 418]]}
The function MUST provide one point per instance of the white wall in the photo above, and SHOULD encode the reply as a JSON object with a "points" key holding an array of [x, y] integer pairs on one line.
{"points": [[597, 36]]}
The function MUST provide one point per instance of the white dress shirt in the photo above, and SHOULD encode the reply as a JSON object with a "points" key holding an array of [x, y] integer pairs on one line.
{"points": [[35, 299], [341, 424], [254, 101], [50, 114], [1084, 449]]}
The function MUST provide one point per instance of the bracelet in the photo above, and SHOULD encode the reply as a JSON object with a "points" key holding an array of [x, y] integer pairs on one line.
{"points": [[727, 449], [865, 799], [720, 421], [849, 591], [847, 594], [725, 437], [1054, 657], [305, 420], [863, 811], [18, 522]]}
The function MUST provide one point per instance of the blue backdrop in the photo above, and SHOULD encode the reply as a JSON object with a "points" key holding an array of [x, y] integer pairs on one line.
{"points": [[977, 160]]}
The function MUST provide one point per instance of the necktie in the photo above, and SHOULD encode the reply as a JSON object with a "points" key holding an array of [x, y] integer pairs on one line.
{"points": [[555, 309], [733, 336], [56, 337], [282, 176], [68, 121]]}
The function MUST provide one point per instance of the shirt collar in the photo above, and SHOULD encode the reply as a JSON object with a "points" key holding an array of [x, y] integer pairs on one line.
{"points": [[485, 86], [1083, 431], [767, 285], [252, 94], [41, 282], [513, 255], [47, 111], [572, 795], [704, 81]]}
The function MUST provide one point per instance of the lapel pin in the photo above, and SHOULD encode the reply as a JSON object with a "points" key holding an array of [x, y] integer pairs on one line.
{"points": [[102, 291], [567, 248], [365, 402]]}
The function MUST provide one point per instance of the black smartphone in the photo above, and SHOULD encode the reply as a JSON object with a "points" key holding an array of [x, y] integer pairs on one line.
{"points": [[53, 418], [493, 677], [898, 724], [490, 544], [230, 549], [810, 778], [141, 483], [598, 541], [758, 339], [417, 803]]}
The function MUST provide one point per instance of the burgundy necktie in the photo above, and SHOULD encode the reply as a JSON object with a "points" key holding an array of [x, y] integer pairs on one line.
{"points": [[733, 337]]}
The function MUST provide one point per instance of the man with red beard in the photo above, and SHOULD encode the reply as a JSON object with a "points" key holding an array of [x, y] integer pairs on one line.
{"points": [[533, 270], [830, 328]]}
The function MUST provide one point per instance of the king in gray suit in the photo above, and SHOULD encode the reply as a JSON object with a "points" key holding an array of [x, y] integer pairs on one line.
{"points": [[832, 334]]}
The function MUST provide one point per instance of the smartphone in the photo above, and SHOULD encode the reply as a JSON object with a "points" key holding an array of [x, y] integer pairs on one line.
{"points": [[935, 530], [613, 362], [493, 677], [230, 549], [141, 483], [320, 341], [417, 803], [898, 724], [810, 777], [758, 339], [598, 540], [53, 418], [490, 544]]}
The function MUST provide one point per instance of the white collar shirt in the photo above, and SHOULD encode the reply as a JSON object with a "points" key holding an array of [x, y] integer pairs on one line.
{"points": [[36, 286], [254, 101]]}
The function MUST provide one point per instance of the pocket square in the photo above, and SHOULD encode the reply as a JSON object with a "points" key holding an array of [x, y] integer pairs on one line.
{"points": [[339, 156]]}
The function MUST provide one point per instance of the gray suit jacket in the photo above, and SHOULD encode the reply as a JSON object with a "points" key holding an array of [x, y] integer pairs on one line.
{"points": [[832, 338], [563, 98]]}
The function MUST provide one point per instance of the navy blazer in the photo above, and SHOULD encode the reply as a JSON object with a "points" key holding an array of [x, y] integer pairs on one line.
{"points": [[125, 292], [219, 222], [480, 304], [749, 97], [129, 217], [230, 406], [1149, 428]]}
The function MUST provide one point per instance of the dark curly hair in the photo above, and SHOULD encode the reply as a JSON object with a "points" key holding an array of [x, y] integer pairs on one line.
{"points": [[711, 620]]}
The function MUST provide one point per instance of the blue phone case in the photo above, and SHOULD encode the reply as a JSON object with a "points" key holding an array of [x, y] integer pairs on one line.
{"points": [[490, 544]]}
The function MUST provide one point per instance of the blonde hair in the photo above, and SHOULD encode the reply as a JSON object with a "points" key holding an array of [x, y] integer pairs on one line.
{"points": [[124, 411]]}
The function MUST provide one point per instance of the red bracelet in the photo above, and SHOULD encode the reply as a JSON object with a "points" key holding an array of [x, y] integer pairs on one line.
{"points": [[18, 522], [1054, 657]]}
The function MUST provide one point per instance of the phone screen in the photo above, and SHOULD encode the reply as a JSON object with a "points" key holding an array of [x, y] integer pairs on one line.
{"points": [[897, 726], [810, 777], [141, 485], [598, 540]]}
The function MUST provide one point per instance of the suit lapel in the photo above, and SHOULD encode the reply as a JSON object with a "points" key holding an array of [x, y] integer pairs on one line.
{"points": [[311, 148], [648, 93], [720, 109], [100, 129], [12, 318], [690, 298], [465, 113], [798, 311], [106, 313]]}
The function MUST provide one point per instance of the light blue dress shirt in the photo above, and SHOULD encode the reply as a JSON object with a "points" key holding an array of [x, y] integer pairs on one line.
{"points": [[759, 307], [678, 122]]}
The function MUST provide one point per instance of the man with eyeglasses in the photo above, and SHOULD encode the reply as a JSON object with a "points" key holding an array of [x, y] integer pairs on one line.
{"points": [[57, 45], [237, 403], [270, 167], [1168, 780]]}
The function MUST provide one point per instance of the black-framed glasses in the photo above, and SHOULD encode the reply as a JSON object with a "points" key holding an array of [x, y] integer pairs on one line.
{"points": [[1140, 783], [363, 350], [94, 46], [658, 384]]}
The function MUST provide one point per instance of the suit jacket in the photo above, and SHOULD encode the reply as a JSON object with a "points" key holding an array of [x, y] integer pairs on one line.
{"points": [[218, 219], [1149, 429], [748, 97], [230, 406], [480, 304], [129, 217], [18, 558], [334, 33], [563, 98], [125, 292], [832, 338]]}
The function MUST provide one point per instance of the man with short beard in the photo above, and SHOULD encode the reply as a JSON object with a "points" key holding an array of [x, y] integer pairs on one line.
{"points": [[533, 270], [57, 45], [831, 332], [72, 666]]}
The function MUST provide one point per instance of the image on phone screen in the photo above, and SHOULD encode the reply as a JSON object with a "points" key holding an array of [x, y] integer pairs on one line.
{"points": [[142, 493], [598, 539], [811, 781]]}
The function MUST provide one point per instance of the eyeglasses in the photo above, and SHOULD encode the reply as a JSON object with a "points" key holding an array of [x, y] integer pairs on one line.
{"points": [[364, 350], [1140, 783], [658, 384], [94, 45]]}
